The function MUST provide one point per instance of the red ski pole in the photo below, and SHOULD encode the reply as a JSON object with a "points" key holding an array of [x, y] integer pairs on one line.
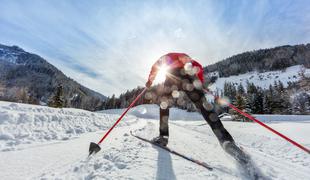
{"points": [[95, 147], [262, 124]]}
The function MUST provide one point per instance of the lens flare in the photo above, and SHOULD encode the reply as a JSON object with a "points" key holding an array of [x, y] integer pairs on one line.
{"points": [[161, 74], [224, 101]]}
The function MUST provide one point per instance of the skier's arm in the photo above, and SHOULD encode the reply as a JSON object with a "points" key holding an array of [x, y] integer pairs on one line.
{"points": [[199, 72], [153, 73]]}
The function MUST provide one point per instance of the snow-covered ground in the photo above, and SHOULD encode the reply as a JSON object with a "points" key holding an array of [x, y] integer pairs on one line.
{"points": [[9, 55], [263, 80], [46, 143]]}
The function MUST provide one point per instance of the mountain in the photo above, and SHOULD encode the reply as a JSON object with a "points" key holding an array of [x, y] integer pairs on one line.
{"points": [[28, 78], [263, 60]]}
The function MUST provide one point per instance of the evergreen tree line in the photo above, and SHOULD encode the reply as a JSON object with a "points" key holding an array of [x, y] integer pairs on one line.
{"points": [[125, 99], [252, 99], [274, 100], [58, 100]]}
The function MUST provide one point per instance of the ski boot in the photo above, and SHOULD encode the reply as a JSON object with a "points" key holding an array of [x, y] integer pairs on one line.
{"points": [[161, 140], [231, 148]]}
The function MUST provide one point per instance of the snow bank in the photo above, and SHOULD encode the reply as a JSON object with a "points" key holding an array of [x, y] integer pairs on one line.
{"points": [[27, 124], [279, 118]]}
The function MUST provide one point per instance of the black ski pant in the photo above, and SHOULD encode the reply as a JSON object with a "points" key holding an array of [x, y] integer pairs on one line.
{"points": [[175, 87]]}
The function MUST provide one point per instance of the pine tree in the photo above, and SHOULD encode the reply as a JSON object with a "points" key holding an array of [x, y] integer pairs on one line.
{"points": [[281, 86], [230, 91], [113, 102], [241, 90], [258, 105], [267, 101], [57, 100], [240, 104], [285, 104]]}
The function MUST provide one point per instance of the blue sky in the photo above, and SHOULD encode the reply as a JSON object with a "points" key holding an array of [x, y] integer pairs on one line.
{"points": [[109, 46]]}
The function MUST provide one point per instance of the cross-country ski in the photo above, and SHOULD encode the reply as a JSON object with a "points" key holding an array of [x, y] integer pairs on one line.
{"points": [[203, 164]]}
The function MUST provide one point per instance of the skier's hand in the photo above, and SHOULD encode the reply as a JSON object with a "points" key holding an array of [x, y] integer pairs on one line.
{"points": [[148, 84]]}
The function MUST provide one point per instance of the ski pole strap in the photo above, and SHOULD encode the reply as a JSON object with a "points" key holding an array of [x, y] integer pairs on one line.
{"points": [[262, 124], [120, 118]]}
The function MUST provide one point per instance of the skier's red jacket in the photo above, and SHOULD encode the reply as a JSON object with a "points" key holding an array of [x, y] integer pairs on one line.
{"points": [[173, 61]]}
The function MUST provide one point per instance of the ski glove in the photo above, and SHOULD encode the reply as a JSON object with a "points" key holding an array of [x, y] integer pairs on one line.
{"points": [[148, 84]]}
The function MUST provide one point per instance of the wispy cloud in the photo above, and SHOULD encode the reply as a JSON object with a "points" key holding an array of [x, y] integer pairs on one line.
{"points": [[110, 46]]}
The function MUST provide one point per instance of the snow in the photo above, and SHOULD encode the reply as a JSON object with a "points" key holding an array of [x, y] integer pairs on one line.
{"points": [[307, 73], [25, 153], [278, 118], [9, 56], [22, 124], [151, 111], [263, 80]]}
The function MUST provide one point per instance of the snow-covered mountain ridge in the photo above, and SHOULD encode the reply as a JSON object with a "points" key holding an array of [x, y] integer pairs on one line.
{"points": [[262, 79], [10, 55], [263, 60]]}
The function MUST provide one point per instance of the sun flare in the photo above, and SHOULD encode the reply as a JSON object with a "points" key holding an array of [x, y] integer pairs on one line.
{"points": [[161, 75]]}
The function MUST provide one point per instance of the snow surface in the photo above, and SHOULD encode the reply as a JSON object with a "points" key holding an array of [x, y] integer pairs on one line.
{"points": [[279, 118], [47, 143], [9, 56], [263, 80], [151, 111], [22, 124]]}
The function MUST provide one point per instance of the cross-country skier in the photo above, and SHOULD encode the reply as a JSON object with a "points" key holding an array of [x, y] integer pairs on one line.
{"points": [[185, 76]]}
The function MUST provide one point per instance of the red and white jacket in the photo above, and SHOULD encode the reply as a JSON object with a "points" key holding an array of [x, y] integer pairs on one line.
{"points": [[174, 61]]}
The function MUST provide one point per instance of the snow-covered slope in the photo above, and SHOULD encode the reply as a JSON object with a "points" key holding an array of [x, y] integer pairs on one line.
{"points": [[263, 80], [23, 124], [10, 56], [26, 153]]}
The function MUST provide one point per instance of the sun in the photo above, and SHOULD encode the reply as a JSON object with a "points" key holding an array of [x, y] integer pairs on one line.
{"points": [[161, 75]]}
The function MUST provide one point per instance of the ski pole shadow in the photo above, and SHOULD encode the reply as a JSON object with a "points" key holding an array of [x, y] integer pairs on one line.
{"points": [[164, 166]]}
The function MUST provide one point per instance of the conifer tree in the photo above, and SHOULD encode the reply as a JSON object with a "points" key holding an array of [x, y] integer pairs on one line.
{"points": [[57, 100], [241, 89]]}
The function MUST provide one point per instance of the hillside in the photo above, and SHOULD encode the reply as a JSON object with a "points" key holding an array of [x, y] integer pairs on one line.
{"points": [[264, 60], [28, 78]]}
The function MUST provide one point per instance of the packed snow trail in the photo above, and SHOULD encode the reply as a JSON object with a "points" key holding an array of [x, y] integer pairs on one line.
{"points": [[200, 163], [46, 143]]}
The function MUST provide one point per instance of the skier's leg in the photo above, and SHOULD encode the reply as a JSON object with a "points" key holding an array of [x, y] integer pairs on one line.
{"points": [[163, 124], [209, 114], [165, 103], [162, 139]]}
